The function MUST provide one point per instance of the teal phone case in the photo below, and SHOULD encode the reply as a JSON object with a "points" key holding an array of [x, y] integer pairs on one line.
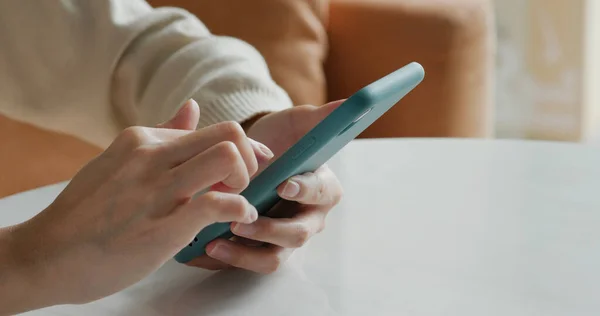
{"points": [[318, 146]]}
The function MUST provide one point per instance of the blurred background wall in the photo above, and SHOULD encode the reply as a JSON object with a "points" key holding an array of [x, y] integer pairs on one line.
{"points": [[547, 76]]}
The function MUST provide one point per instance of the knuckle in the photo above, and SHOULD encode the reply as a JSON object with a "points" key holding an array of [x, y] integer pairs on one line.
{"points": [[245, 179], [228, 152], [232, 130], [131, 134], [137, 162], [329, 189], [211, 197], [232, 161], [302, 235], [239, 206], [210, 203], [245, 182], [274, 263]]}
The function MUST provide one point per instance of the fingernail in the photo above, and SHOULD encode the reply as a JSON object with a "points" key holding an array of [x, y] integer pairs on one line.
{"points": [[266, 151], [291, 189], [244, 230], [221, 252]]}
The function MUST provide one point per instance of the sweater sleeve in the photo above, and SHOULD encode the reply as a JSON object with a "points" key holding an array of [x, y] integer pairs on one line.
{"points": [[92, 68]]}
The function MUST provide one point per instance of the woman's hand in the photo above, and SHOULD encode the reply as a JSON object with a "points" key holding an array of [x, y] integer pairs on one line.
{"points": [[129, 211], [265, 244]]}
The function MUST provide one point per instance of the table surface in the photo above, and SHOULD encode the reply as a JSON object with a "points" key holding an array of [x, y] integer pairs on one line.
{"points": [[427, 227]]}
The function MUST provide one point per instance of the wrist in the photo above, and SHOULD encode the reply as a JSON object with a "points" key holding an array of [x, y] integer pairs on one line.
{"points": [[12, 288], [20, 286]]}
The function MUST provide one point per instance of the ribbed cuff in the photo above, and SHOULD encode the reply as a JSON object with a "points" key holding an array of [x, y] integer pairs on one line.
{"points": [[232, 92], [242, 105]]}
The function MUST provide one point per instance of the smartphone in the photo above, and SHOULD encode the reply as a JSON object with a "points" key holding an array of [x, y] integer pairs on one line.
{"points": [[316, 147]]}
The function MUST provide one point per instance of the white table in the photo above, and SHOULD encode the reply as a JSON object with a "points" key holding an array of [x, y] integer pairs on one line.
{"points": [[435, 227]]}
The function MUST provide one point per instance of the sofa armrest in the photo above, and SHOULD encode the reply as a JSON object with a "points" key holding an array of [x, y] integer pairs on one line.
{"points": [[453, 40]]}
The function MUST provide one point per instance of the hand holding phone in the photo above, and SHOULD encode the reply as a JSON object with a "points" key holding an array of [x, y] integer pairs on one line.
{"points": [[345, 123], [264, 245]]}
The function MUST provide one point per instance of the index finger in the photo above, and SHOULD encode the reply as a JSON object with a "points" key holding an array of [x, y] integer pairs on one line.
{"points": [[186, 147]]}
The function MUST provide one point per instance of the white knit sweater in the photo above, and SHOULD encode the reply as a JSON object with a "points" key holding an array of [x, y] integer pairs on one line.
{"points": [[92, 67]]}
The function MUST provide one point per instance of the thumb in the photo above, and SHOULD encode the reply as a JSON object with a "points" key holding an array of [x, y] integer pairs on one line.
{"points": [[186, 118], [320, 113], [326, 109]]}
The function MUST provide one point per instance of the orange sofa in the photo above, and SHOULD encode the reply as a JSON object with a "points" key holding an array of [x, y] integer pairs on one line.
{"points": [[321, 50]]}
